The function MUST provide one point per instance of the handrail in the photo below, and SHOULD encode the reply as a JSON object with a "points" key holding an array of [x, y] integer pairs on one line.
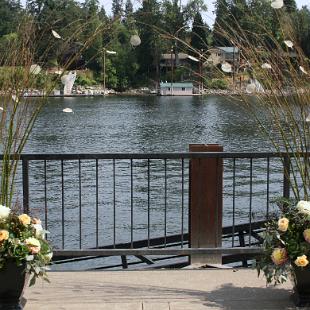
{"points": [[151, 251], [186, 155]]}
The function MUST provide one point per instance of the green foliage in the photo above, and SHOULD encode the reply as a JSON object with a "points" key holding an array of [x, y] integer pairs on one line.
{"points": [[161, 26], [10, 12], [22, 240], [217, 84], [199, 33], [286, 231], [84, 80]]}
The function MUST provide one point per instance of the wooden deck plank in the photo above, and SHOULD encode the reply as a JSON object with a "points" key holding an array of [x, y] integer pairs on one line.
{"points": [[169, 290]]}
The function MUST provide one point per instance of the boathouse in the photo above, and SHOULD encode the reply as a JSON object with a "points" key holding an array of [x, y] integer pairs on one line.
{"points": [[176, 89]]}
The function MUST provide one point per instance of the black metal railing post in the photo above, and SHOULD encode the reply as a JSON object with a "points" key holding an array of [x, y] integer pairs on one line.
{"points": [[25, 176], [286, 176]]}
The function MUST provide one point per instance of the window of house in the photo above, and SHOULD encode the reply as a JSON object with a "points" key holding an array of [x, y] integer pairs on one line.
{"points": [[169, 88], [183, 88]]}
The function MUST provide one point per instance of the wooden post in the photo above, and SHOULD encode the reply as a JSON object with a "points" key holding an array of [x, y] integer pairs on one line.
{"points": [[206, 203]]}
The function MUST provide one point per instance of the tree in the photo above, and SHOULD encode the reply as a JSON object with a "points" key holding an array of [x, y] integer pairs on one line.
{"points": [[199, 33], [9, 12], [117, 8], [192, 8], [173, 18], [303, 30], [290, 6], [128, 8], [93, 54], [221, 23], [148, 19]]}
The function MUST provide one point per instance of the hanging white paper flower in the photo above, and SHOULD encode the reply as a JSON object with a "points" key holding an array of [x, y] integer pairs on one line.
{"points": [[226, 67], [251, 88], [135, 40], [192, 58], [266, 66], [67, 110], [308, 118], [15, 98], [1, 108], [111, 52], [59, 72], [277, 4], [55, 34], [35, 69], [288, 43], [302, 69]]}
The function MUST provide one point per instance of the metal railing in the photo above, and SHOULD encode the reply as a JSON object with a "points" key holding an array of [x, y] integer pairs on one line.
{"points": [[91, 203]]}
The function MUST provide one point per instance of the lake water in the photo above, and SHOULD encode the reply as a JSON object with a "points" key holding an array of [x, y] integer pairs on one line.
{"points": [[139, 125], [143, 124]]}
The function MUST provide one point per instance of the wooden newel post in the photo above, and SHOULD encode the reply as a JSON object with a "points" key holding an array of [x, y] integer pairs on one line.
{"points": [[206, 203]]}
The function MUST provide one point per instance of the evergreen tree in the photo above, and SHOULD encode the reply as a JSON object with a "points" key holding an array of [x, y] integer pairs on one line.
{"points": [[192, 8], [117, 8], [128, 8], [92, 18], [290, 6], [149, 52], [9, 12], [221, 23], [199, 33], [303, 29], [173, 18]]}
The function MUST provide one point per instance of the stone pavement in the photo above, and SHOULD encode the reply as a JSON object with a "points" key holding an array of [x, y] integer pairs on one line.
{"points": [[158, 290]]}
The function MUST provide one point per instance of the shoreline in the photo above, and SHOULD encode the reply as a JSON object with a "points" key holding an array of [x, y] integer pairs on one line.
{"points": [[133, 94]]}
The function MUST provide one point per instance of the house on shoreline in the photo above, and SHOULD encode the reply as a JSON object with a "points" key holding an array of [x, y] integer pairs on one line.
{"points": [[176, 89]]}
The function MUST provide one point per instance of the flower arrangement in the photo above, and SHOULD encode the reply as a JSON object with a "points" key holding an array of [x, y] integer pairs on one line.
{"points": [[286, 242], [22, 240]]}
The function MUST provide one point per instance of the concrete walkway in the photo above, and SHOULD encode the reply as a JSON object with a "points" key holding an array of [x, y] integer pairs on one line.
{"points": [[158, 290]]}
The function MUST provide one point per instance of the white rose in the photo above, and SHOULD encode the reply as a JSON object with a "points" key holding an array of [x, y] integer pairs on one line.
{"points": [[303, 207], [39, 230], [4, 212], [49, 255]]}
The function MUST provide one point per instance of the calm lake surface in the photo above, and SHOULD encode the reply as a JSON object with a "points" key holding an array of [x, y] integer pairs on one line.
{"points": [[143, 124], [114, 214]]}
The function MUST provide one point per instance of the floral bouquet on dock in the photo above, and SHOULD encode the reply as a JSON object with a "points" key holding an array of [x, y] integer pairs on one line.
{"points": [[22, 241], [286, 243]]}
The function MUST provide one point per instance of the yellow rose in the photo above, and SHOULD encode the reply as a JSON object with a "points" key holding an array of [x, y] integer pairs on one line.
{"points": [[306, 234], [301, 261], [283, 224], [279, 256], [25, 219], [4, 235]]}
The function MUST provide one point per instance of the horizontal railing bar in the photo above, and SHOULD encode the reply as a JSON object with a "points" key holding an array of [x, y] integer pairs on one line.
{"points": [[154, 155], [188, 251]]}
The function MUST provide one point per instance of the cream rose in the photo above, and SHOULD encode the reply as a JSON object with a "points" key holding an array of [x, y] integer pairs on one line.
{"points": [[49, 256], [4, 235], [35, 221], [34, 245], [4, 212], [279, 256], [306, 234], [25, 219], [283, 224], [301, 261], [303, 207]]}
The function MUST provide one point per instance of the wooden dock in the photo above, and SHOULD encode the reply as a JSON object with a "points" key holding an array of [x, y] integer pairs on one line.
{"points": [[158, 290]]}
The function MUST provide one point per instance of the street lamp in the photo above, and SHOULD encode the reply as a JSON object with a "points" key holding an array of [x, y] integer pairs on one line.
{"points": [[105, 51]]}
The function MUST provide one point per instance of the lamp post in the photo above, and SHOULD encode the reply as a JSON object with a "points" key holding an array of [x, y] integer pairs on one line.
{"points": [[105, 51]]}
